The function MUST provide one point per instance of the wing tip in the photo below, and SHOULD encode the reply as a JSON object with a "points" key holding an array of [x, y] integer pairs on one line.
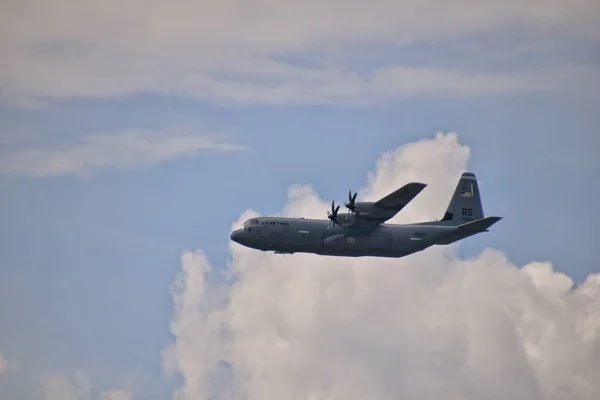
{"points": [[410, 190], [416, 185]]}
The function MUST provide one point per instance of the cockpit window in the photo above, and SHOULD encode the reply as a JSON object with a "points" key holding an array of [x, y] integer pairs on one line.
{"points": [[249, 222]]}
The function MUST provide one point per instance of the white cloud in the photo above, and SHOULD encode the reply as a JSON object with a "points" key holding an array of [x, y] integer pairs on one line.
{"points": [[77, 387], [117, 395], [126, 150], [427, 326], [197, 326], [3, 363], [226, 50], [61, 387]]}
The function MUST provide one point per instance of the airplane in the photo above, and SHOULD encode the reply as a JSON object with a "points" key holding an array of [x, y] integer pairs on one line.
{"points": [[363, 231]]}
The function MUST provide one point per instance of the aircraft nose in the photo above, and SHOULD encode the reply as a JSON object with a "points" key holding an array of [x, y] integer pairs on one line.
{"points": [[235, 235]]}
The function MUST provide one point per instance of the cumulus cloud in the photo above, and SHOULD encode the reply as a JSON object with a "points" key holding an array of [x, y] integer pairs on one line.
{"points": [[231, 51], [198, 326], [428, 326], [125, 150]]}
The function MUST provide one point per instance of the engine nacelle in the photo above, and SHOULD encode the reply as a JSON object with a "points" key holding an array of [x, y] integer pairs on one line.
{"points": [[369, 211]]}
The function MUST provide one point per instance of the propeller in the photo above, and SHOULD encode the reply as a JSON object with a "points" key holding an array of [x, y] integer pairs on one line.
{"points": [[350, 205], [333, 214]]}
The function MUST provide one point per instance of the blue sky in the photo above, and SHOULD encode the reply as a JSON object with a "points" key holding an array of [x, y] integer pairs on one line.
{"points": [[86, 260]]}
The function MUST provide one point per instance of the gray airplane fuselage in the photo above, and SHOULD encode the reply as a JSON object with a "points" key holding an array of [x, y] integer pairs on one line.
{"points": [[365, 233], [300, 235]]}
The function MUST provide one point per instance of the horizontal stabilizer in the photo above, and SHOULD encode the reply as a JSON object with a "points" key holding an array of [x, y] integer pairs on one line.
{"points": [[481, 225], [401, 197], [470, 229]]}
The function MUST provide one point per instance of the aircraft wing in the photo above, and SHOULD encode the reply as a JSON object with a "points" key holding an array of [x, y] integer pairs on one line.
{"points": [[400, 198], [385, 208]]}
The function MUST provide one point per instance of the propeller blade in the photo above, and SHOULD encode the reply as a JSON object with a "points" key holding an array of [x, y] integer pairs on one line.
{"points": [[333, 215], [351, 202]]}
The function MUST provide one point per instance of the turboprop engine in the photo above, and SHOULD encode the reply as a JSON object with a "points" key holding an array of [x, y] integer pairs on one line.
{"points": [[368, 210]]}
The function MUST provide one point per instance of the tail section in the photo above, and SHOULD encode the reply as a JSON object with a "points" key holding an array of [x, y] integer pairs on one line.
{"points": [[465, 205], [465, 212]]}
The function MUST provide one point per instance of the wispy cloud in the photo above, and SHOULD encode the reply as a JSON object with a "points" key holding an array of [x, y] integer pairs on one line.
{"points": [[193, 48], [77, 387], [3, 363], [129, 149]]}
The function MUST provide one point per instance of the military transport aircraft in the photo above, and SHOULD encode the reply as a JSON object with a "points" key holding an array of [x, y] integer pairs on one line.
{"points": [[363, 231]]}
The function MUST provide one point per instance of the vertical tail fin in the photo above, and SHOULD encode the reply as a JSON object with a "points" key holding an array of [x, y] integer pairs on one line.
{"points": [[465, 205]]}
